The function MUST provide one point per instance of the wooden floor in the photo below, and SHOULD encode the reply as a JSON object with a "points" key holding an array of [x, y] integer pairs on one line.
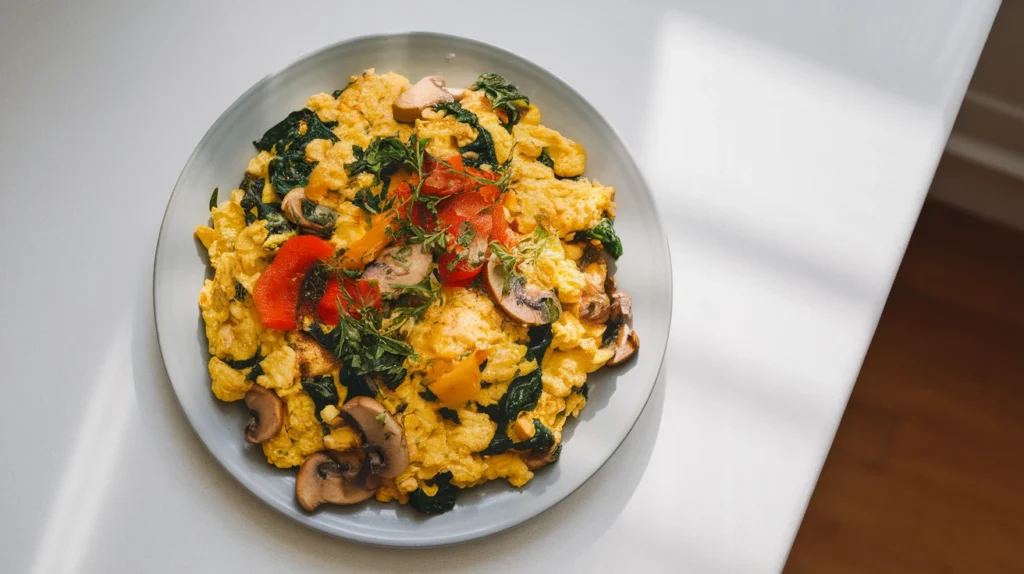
{"points": [[926, 473]]}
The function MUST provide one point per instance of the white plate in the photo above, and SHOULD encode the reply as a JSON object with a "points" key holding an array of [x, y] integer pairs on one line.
{"points": [[617, 394]]}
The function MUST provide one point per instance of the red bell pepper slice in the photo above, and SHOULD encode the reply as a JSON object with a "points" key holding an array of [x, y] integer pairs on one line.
{"points": [[276, 293], [360, 294]]}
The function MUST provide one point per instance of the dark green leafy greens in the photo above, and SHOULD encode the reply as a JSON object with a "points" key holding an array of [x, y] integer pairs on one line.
{"points": [[322, 390], [539, 340], [213, 198], [372, 203], [545, 159], [542, 440], [449, 414], [290, 170], [240, 291], [441, 502], [364, 349], [286, 139], [244, 363], [252, 204], [286, 134], [522, 395], [384, 156], [481, 150], [605, 233], [503, 95]]}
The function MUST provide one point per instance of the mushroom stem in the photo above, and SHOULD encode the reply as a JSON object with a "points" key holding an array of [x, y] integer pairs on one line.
{"points": [[387, 452], [267, 412]]}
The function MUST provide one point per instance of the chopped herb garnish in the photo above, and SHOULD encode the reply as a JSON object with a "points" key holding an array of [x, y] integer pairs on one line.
{"points": [[381, 418], [504, 96]]}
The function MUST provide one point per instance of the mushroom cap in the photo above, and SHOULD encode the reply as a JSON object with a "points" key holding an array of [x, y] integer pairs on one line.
{"points": [[267, 412], [292, 207], [399, 266], [524, 302], [426, 93], [627, 341], [322, 479], [384, 436], [312, 358]]}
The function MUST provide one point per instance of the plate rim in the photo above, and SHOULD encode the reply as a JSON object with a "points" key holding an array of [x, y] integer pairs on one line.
{"points": [[498, 526]]}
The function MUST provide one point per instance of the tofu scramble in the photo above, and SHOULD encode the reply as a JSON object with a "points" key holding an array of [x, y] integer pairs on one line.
{"points": [[410, 287]]}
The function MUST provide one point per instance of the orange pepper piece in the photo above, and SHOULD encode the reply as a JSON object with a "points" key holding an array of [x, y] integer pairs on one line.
{"points": [[462, 383]]}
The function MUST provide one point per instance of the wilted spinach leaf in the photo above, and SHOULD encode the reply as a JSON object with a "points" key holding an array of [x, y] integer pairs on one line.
{"points": [[441, 502], [481, 150], [252, 204], [499, 444], [449, 414], [372, 203], [213, 198], [503, 95], [285, 135], [244, 363], [289, 170], [542, 440], [336, 93], [240, 291], [605, 233], [428, 395], [545, 159], [322, 390], [522, 395], [540, 339]]}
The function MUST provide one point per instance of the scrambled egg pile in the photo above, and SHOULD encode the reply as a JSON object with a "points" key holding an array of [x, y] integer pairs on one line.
{"points": [[555, 197]]}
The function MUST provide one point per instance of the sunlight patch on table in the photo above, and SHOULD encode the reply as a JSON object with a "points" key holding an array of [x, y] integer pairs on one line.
{"points": [[91, 463]]}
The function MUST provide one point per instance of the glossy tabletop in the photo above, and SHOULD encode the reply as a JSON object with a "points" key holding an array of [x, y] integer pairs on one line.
{"points": [[789, 145]]}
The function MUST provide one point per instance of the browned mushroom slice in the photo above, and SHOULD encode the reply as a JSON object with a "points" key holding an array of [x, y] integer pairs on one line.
{"points": [[308, 214], [595, 305], [387, 453], [321, 479], [422, 95], [399, 266], [535, 460], [313, 359], [524, 302], [267, 412], [626, 341]]}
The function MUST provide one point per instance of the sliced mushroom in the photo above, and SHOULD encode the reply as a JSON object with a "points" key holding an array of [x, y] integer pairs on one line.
{"points": [[524, 302], [308, 214], [424, 94], [386, 452], [626, 340], [267, 412], [595, 305], [535, 460], [321, 479], [313, 359], [399, 266]]}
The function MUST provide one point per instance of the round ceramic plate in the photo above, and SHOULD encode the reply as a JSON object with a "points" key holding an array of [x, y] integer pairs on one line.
{"points": [[617, 396]]}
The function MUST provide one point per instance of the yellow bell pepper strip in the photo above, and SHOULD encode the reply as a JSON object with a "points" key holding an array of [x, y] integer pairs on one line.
{"points": [[462, 383], [365, 249]]}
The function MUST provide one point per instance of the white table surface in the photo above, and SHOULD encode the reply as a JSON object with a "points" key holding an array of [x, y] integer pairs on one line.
{"points": [[790, 145]]}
